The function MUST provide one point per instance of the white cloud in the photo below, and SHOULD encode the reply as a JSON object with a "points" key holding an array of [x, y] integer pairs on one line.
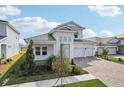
{"points": [[106, 33], [106, 10], [33, 24], [22, 42], [9, 11], [91, 33], [88, 33]]}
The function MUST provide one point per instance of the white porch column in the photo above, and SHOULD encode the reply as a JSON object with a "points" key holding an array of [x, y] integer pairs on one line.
{"points": [[54, 49], [71, 51]]}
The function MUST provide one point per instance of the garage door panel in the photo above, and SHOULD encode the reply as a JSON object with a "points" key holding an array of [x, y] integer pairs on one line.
{"points": [[83, 52], [78, 52], [89, 52], [112, 51]]}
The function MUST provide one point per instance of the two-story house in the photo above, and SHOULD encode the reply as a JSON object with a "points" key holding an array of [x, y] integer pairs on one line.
{"points": [[9, 40], [69, 35]]}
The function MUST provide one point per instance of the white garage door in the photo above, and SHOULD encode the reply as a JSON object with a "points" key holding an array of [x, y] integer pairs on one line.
{"points": [[83, 52], [112, 50], [78, 52], [89, 52]]}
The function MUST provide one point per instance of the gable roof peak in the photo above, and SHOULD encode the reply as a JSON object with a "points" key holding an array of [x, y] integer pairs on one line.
{"points": [[71, 25]]}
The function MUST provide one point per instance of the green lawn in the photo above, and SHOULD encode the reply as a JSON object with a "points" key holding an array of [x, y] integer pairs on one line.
{"points": [[88, 83], [113, 59], [13, 68]]}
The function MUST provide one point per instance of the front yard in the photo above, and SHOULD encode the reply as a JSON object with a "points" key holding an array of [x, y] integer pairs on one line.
{"points": [[14, 65], [5, 67], [43, 73], [88, 83]]}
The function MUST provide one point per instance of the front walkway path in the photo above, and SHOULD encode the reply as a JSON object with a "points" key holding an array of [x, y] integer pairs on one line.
{"points": [[51, 82]]}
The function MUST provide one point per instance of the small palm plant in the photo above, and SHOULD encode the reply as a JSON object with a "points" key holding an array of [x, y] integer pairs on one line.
{"points": [[105, 52]]}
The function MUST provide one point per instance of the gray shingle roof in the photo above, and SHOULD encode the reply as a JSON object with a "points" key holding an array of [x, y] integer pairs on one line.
{"points": [[84, 40], [43, 37], [71, 25], [1, 37], [9, 25], [104, 41]]}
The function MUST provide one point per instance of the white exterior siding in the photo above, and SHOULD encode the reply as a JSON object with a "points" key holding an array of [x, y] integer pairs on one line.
{"points": [[12, 42], [43, 57], [68, 35], [2, 29]]}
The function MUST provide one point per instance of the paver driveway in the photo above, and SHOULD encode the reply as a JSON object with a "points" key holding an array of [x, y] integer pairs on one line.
{"points": [[112, 74]]}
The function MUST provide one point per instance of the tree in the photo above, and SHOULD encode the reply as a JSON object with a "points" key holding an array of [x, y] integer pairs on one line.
{"points": [[29, 66], [61, 65]]}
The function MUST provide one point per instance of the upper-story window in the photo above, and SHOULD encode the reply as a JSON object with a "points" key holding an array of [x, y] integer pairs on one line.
{"points": [[76, 35], [65, 39], [60, 38], [69, 39]]}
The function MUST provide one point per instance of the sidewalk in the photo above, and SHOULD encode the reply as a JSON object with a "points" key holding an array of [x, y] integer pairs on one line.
{"points": [[51, 82]]}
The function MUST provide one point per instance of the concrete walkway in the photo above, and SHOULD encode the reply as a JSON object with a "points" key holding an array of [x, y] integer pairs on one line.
{"points": [[51, 82]]}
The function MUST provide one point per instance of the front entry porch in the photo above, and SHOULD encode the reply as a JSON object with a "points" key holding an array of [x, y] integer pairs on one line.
{"points": [[43, 50]]}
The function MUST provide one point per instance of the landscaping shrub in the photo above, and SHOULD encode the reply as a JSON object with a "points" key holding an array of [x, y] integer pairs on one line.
{"points": [[96, 54], [50, 60], [59, 67], [76, 70], [8, 60], [121, 60], [29, 65]]}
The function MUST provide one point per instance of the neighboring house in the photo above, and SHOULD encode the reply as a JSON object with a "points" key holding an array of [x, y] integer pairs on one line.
{"points": [[121, 44], [70, 35], [9, 40], [108, 42], [114, 44]]}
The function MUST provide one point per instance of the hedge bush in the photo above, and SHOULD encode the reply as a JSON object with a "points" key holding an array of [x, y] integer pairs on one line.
{"points": [[76, 70]]}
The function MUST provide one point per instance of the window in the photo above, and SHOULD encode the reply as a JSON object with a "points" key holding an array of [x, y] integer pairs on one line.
{"points": [[76, 35], [44, 50], [69, 39], [65, 39], [37, 50], [60, 39]]}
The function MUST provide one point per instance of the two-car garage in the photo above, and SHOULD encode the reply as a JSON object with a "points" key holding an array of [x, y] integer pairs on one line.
{"points": [[83, 50], [88, 50], [112, 49]]}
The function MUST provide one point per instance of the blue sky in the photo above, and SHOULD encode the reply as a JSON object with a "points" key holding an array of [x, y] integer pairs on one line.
{"points": [[34, 20]]}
